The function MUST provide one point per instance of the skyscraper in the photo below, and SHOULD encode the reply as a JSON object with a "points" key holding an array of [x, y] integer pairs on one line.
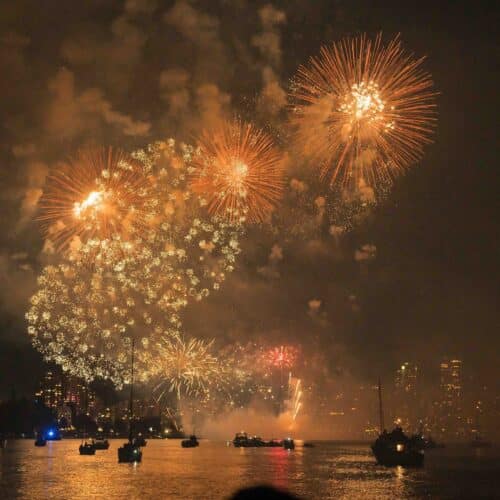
{"points": [[406, 396], [50, 392], [451, 419]]}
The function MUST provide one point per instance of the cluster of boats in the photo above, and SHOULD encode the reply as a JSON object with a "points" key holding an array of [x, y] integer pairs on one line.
{"points": [[90, 447], [242, 440], [390, 449]]}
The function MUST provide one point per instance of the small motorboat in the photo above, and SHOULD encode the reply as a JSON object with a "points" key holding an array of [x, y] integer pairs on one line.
{"points": [[192, 442], [288, 444], [87, 448], [40, 441], [100, 444], [129, 453]]}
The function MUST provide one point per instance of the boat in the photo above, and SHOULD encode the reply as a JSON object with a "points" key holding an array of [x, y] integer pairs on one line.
{"points": [[395, 448], [87, 448], [100, 444], [130, 452], [40, 441], [242, 440], [192, 442]]}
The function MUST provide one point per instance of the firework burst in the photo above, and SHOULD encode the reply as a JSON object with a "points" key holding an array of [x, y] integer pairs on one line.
{"points": [[98, 193], [281, 357], [186, 367], [239, 171], [363, 111], [108, 292]]}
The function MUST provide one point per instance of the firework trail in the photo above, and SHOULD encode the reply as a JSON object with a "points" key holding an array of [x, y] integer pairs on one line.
{"points": [[239, 171], [363, 111]]}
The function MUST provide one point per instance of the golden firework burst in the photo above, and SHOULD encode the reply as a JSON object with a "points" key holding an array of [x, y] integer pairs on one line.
{"points": [[239, 171], [363, 110], [98, 193], [186, 367]]}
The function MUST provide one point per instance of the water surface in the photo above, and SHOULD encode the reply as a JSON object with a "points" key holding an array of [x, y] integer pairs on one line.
{"points": [[214, 471]]}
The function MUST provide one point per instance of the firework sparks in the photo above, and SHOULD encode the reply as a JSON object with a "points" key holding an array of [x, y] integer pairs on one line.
{"points": [[98, 193], [186, 367], [296, 397], [281, 357], [108, 292], [363, 110], [240, 172]]}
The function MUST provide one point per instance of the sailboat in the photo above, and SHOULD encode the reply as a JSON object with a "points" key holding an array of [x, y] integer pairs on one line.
{"points": [[130, 452], [86, 448], [395, 448]]}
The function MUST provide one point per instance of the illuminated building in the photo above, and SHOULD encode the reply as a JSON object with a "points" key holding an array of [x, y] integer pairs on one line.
{"points": [[78, 396], [405, 394], [451, 421], [50, 393]]}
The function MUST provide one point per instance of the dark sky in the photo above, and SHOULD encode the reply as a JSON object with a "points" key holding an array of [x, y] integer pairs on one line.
{"points": [[127, 73]]}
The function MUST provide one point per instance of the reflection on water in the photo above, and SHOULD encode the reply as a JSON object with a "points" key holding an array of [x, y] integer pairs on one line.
{"points": [[214, 471]]}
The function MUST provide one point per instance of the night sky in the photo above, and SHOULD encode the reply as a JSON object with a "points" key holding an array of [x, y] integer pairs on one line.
{"points": [[130, 72]]}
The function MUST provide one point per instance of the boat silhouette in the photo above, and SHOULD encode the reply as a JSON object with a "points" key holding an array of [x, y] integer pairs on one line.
{"points": [[192, 442], [130, 452], [87, 449], [395, 448]]}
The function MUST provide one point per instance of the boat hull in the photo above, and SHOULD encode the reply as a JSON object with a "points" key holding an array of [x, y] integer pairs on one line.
{"points": [[189, 444], [101, 446], [393, 458], [129, 453], [87, 450]]}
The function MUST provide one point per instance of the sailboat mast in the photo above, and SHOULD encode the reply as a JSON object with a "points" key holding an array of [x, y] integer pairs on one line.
{"points": [[380, 408], [131, 402]]}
